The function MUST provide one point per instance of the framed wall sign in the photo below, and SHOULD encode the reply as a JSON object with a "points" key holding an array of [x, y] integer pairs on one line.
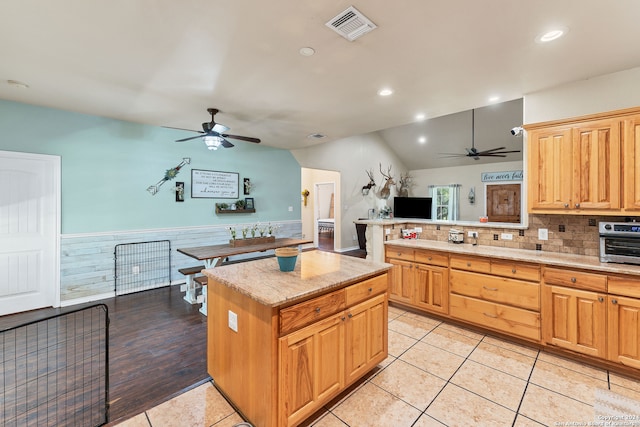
{"points": [[214, 184], [248, 203]]}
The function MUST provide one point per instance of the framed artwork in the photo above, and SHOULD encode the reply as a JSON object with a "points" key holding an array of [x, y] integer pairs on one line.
{"points": [[214, 184], [248, 203]]}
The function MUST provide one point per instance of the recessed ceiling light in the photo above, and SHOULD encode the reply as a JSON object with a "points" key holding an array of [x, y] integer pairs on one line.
{"points": [[421, 116], [17, 83], [385, 92], [551, 35], [422, 140], [494, 98], [307, 51]]}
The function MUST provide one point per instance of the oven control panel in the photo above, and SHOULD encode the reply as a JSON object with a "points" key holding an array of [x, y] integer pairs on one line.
{"points": [[620, 228]]}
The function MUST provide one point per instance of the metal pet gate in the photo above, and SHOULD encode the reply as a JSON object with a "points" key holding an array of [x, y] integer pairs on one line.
{"points": [[141, 266], [55, 371]]}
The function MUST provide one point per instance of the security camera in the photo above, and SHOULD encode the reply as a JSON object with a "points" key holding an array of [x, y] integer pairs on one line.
{"points": [[517, 131]]}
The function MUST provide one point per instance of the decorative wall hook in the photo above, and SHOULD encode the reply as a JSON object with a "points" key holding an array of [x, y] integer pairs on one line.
{"points": [[305, 193], [168, 175]]}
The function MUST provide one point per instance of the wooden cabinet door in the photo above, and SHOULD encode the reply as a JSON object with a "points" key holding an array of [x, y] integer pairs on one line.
{"points": [[596, 165], [550, 169], [431, 288], [631, 146], [311, 365], [401, 283], [366, 336], [574, 319], [624, 330]]}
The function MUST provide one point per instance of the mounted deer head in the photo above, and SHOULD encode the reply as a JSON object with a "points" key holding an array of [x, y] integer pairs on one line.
{"points": [[385, 191], [404, 181], [372, 183]]}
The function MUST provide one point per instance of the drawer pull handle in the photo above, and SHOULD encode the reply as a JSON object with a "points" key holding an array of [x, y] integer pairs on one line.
{"points": [[566, 205], [468, 264], [577, 205], [350, 315], [614, 301], [493, 316], [513, 270], [343, 318], [429, 258], [600, 299], [490, 289], [573, 280], [317, 309], [399, 253], [370, 289]]}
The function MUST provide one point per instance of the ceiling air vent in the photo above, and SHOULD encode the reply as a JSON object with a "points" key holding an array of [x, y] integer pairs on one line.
{"points": [[351, 24]]}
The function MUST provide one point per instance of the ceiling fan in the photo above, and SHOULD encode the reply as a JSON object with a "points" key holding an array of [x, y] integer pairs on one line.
{"points": [[213, 135], [473, 151]]}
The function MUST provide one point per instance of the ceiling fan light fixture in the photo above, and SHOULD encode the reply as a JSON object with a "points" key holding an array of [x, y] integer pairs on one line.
{"points": [[212, 142]]}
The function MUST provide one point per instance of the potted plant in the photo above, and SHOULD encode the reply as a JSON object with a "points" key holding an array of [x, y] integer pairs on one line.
{"points": [[240, 204]]}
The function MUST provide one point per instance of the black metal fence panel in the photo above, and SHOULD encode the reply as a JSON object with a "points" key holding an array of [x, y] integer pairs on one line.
{"points": [[141, 266], [55, 371]]}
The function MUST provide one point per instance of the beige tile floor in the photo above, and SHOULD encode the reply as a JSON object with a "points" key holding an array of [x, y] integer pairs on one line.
{"points": [[438, 374]]}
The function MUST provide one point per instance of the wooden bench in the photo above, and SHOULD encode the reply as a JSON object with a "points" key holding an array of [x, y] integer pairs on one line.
{"points": [[191, 284], [202, 298]]}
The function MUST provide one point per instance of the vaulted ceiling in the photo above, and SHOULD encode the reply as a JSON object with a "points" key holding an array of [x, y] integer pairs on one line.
{"points": [[165, 62]]}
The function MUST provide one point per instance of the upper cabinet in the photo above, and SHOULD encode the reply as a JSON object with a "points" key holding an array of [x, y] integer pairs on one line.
{"points": [[576, 166]]}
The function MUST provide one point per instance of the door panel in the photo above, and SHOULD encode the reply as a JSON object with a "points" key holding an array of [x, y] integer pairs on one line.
{"points": [[29, 230]]}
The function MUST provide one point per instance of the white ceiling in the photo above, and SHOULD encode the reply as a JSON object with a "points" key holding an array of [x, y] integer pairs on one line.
{"points": [[164, 62]]}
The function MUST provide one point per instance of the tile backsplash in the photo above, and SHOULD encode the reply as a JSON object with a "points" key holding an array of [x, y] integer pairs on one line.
{"points": [[573, 234]]}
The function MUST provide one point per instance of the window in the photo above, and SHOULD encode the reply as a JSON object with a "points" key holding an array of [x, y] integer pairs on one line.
{"points": [[445, 202]]}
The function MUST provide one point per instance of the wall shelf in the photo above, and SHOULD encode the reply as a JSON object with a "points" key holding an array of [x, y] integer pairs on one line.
{"points": [[234, 211]]}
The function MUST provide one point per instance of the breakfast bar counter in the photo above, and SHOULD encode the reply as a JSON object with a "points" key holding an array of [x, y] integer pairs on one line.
{"points": [[282, 344]]}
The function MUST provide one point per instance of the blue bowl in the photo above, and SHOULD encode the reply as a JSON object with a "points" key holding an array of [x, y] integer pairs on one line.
{"points": [[287, 263]]}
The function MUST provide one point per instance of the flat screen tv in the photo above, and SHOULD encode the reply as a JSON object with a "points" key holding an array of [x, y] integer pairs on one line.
{"points": [[412, 207]]}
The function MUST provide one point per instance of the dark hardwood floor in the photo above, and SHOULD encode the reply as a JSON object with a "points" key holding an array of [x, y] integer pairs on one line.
{"points": [[157, 345]]}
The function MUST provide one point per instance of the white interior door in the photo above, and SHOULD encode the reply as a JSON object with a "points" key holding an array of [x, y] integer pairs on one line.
{"points": [[29, 231]]}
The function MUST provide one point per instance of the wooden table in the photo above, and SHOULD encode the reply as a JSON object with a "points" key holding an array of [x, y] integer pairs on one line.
{"points": [[213, 255]]}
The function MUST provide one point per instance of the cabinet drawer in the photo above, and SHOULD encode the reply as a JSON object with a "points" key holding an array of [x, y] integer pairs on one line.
{"points": [[510, 320], [399, 252], [497, 289], [627, 286], [368, 288], [432, 257], [575, 279], [305, 313], [481, 265], [516, 270]]}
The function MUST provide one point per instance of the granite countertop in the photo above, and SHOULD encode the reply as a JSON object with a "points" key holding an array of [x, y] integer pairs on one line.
{"points": [[525, 255], [394, 221], [316, 272]]}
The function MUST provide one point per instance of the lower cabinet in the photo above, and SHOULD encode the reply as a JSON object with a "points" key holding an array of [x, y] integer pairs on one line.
{"points": [[574, 319], [420, 279], [319, 360], [623, 315]]}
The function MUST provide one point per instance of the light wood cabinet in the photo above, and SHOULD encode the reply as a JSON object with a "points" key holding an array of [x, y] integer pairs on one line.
{"points": [[319, 360], [574, 319], [501, 295], [623, 315], [419, 278], [575, 168], [631, 150]]}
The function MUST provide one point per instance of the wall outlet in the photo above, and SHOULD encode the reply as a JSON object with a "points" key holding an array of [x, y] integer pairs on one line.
{"points": [[233, 321], [506, 236], [290, 208], [543, 234], [387, 231], [135, 269], [473, 234]]}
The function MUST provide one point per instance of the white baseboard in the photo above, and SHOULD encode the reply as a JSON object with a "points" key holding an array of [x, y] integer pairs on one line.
{"points": [[90, 298], [352, 248]]}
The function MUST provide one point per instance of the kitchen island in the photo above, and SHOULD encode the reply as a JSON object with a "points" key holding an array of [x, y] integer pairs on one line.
{"points": [[282, 344]]}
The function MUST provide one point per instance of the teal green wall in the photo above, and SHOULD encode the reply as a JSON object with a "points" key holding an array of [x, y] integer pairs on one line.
{"points": [[108, 164]]}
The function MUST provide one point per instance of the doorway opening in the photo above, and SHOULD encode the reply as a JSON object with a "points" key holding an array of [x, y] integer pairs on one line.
{"points": [[321, 214]]}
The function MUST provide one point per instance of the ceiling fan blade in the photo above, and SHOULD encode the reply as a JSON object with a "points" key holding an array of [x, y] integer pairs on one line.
{"points": [[219, 128], [188, 130], [493, 149], [241, 138], [226, 144], [188, 139], [500, 152]]}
